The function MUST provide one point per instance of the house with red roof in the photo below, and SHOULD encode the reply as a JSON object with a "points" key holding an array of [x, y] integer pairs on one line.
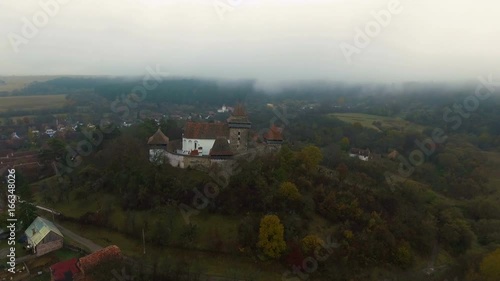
{"points": [[84, 268], [274, 136], [64, 271]]}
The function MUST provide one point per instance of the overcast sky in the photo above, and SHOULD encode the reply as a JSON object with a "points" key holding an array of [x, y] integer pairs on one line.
{"points": [[270, 40]]}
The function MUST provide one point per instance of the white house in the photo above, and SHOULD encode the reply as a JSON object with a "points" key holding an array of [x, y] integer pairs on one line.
{"points": [[50, 132], [223, 109], [362, 154], [199, 138]]}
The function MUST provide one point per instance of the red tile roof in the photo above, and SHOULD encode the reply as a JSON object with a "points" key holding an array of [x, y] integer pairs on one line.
{"points": [[60, 270], [89, 262], [194, 130], [274, 134]]}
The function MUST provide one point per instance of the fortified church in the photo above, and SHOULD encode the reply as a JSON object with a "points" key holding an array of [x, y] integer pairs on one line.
{"points": [[205, 143]]}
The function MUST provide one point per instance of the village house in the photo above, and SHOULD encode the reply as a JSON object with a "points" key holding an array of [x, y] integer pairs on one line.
{"points": [[27, 162], [274, 136], [82, 269], [50, 132], [43, 237], [224, 109], [362, 154]]}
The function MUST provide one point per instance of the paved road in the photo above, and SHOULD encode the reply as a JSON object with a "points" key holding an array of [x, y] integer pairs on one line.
{"points": [[79, 239]]}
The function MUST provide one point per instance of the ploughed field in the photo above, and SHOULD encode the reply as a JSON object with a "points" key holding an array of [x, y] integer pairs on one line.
{"points": [[31, 102]]}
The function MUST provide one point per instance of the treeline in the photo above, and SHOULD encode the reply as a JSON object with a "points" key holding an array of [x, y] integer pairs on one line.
{"points": [[65, 85], [167, 90], [182, 91]]}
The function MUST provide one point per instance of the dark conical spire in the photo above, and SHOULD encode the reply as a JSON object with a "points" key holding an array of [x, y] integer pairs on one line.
{"points": [[158, 138], [239, 110], [239, 116]]}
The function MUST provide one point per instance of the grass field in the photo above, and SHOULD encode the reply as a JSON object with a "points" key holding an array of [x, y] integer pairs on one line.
{"points": [[366, 120], [209, 262], [18, 82], [31, 102]]}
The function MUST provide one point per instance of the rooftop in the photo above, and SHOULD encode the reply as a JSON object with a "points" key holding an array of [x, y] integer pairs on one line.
{"points": [[239, 115], [107, 254], [274, 134], [194, 130], [358, 151], [221, 148], [158, 138], [64, 270], [38, 229]]}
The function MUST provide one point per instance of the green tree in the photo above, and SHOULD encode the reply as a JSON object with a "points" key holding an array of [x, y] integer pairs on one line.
{"points": [[344, 144], [27, 214], [271, 236], [310, 156], [342, 170]]}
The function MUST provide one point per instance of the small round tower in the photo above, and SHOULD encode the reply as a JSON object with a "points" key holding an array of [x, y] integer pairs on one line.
{"points": [[157, 147]]}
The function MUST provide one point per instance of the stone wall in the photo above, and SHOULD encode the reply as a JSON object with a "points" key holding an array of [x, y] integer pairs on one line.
{"points": [[194, 161], [184, 161], [175, 160]]}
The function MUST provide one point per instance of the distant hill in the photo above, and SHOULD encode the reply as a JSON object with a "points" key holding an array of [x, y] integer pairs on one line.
{"points": [[172, 90]]}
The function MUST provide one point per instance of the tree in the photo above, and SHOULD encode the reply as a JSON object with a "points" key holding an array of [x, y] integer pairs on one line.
{"points": [[343, 171], [310, 243], [27, 214], [489, 268], [290, 191], [344, 143], [271, 236], [403, 256], [455, 232], [310, 156]]}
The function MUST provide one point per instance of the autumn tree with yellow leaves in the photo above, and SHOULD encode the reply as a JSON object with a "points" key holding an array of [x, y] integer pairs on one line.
{"points": [[290, 191], [271, 236]]}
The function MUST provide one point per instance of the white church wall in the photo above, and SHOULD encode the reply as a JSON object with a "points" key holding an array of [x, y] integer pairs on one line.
{"points": [[189, 144]]}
